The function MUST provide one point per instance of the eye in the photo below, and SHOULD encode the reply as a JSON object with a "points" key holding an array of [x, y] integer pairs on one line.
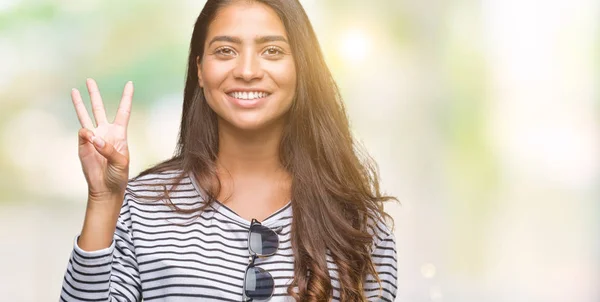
{"points": [[225, 51], [273, 51]]}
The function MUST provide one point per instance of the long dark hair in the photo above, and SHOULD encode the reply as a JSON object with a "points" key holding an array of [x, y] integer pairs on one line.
{"points": [[335, 192]]}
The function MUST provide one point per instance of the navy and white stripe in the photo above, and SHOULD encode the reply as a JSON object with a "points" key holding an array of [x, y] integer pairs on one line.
{"points": [[161, 255]]}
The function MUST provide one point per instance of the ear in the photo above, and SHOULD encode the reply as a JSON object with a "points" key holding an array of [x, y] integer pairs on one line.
{"points": [[199, 68]]}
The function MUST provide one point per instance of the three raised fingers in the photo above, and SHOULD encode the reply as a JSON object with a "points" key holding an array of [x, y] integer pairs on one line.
{"points": [[97, 106], [124, 111]]}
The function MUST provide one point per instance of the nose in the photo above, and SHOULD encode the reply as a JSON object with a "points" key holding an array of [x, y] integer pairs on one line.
{"points": [[248, 67]]}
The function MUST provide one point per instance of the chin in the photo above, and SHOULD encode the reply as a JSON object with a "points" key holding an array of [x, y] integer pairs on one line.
{"points": [[248, 126], [244, 124], [254, 124]]}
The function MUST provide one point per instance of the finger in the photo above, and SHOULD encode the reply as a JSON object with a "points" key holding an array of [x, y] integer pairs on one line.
{"points": [[82, 114], [109, 152], [97, 106], [85, 136], [124, 111]]}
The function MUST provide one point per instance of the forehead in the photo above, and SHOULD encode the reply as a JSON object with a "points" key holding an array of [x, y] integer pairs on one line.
{"points": [[246, 20]]}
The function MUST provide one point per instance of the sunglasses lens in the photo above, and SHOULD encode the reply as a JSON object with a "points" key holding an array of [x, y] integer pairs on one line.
{"points": [[263, 241], [259, 284]]}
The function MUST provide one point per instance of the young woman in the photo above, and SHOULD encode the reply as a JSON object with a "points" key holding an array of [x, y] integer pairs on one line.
{"points": [[266, 199]]}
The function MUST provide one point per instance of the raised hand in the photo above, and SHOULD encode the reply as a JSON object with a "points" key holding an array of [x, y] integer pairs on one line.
{"points": [[103, 149]]}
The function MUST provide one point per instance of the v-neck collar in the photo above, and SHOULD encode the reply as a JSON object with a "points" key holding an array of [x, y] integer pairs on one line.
{"points": [[221, 208]]}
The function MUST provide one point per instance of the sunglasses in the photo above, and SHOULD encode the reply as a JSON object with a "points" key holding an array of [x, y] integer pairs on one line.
{"points": [[258, 283]]}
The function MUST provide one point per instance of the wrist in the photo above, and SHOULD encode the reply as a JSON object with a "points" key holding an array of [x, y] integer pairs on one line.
{"points": [[105, 202]]}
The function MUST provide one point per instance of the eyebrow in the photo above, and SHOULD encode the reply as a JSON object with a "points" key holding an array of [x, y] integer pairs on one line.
{"points": [[258, 40]]}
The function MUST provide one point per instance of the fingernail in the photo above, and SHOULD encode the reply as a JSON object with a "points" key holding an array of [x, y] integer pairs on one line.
{"points": [[99, 142]]}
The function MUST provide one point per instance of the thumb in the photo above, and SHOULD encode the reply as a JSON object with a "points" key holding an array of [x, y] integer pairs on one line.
{"points": [[109, 152]]}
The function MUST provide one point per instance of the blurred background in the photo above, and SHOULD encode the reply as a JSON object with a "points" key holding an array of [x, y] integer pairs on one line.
{"points": [[482, 115]]}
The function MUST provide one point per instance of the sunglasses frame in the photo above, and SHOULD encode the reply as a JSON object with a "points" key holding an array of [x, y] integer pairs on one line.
{"points": [[253, 255]]}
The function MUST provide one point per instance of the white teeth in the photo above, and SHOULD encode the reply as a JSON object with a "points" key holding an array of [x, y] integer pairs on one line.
{"points": [[248, 95]]}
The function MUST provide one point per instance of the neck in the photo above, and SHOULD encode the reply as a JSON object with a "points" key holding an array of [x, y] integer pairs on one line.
{"points": [[249, 152]]}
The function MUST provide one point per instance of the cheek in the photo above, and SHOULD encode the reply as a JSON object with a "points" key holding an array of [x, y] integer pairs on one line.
{"points": [[285, 76], [214, 74]]}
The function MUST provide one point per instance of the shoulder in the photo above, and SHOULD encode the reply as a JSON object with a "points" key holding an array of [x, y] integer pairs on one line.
{"points": [[379, 229], [154, 185], [157, 179]]}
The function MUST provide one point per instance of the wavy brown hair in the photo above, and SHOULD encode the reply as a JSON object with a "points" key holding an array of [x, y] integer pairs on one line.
{"points": [[336, 198]]}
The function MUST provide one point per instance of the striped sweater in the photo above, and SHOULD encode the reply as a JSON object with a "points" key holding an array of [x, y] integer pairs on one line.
{"points": [[161, 255]]}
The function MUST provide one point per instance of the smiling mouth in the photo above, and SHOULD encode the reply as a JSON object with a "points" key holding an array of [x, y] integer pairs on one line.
{"points": [[248, 95]]}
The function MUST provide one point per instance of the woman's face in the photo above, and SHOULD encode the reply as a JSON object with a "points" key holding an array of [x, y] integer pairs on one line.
{"points": [[247, 70]]}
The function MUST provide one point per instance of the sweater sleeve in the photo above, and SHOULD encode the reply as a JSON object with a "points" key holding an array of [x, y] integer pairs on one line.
{"points": [[384, 258], [110, 274]]}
